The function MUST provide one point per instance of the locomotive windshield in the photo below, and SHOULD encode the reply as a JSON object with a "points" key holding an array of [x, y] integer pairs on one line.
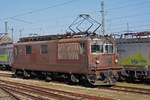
{"points": [[97, 48], [101, 48], [109, 48]]}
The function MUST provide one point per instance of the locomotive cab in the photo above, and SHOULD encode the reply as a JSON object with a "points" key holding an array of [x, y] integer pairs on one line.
{"points": [[102, 53], [102, 56]]}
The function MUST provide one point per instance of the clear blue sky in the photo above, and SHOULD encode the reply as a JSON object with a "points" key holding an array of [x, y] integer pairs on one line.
{"points": [[54, 16]]}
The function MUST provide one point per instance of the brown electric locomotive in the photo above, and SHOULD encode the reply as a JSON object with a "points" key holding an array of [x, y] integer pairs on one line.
{"points": [[90, 58]]}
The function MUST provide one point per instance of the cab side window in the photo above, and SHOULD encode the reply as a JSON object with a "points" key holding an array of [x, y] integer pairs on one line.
{"points": [[44, 49], [28, 49]]}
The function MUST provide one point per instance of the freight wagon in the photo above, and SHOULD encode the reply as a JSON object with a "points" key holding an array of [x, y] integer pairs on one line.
{"points": [[134, 54]]}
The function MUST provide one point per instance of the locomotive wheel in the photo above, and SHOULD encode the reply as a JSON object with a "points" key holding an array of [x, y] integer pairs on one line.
{"points": [[90, 80], [48, 79], [74, 78], [26, 74], [18, 73]]}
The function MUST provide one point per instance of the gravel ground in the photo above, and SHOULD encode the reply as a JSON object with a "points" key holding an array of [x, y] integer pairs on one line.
{"points": [[80, 89], [8, 72], [144, 86], [90, 91]]}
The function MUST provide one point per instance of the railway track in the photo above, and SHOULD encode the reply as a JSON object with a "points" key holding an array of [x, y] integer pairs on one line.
{"points": [[68, 95], [22, 93], [140, 91], [47, 93], [6, 95]]}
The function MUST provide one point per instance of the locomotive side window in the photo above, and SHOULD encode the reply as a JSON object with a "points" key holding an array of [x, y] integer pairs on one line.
{"points": [[109, 48], [96, 48], [82, 48], [44, 49], [28, 49]]}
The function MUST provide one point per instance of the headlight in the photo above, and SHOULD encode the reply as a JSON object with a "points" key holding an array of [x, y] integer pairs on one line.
{"points": [[116, 60], [97, 62]]}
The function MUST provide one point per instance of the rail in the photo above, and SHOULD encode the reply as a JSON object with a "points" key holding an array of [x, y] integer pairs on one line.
{"points": [[9, 93], [128, 89], [49, 93]]}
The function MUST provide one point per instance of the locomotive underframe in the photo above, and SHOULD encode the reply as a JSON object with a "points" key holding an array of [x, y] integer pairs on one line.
{"points": [[96, 77]]}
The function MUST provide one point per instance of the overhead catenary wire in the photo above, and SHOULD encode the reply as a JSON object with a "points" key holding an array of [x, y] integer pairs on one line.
{"points": [[124, 23], [131, 27], [123, 6], [61, 4], [121, 17], [128, 5], [39, 10], [127, 18], [138, 26], [16, 19]]}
